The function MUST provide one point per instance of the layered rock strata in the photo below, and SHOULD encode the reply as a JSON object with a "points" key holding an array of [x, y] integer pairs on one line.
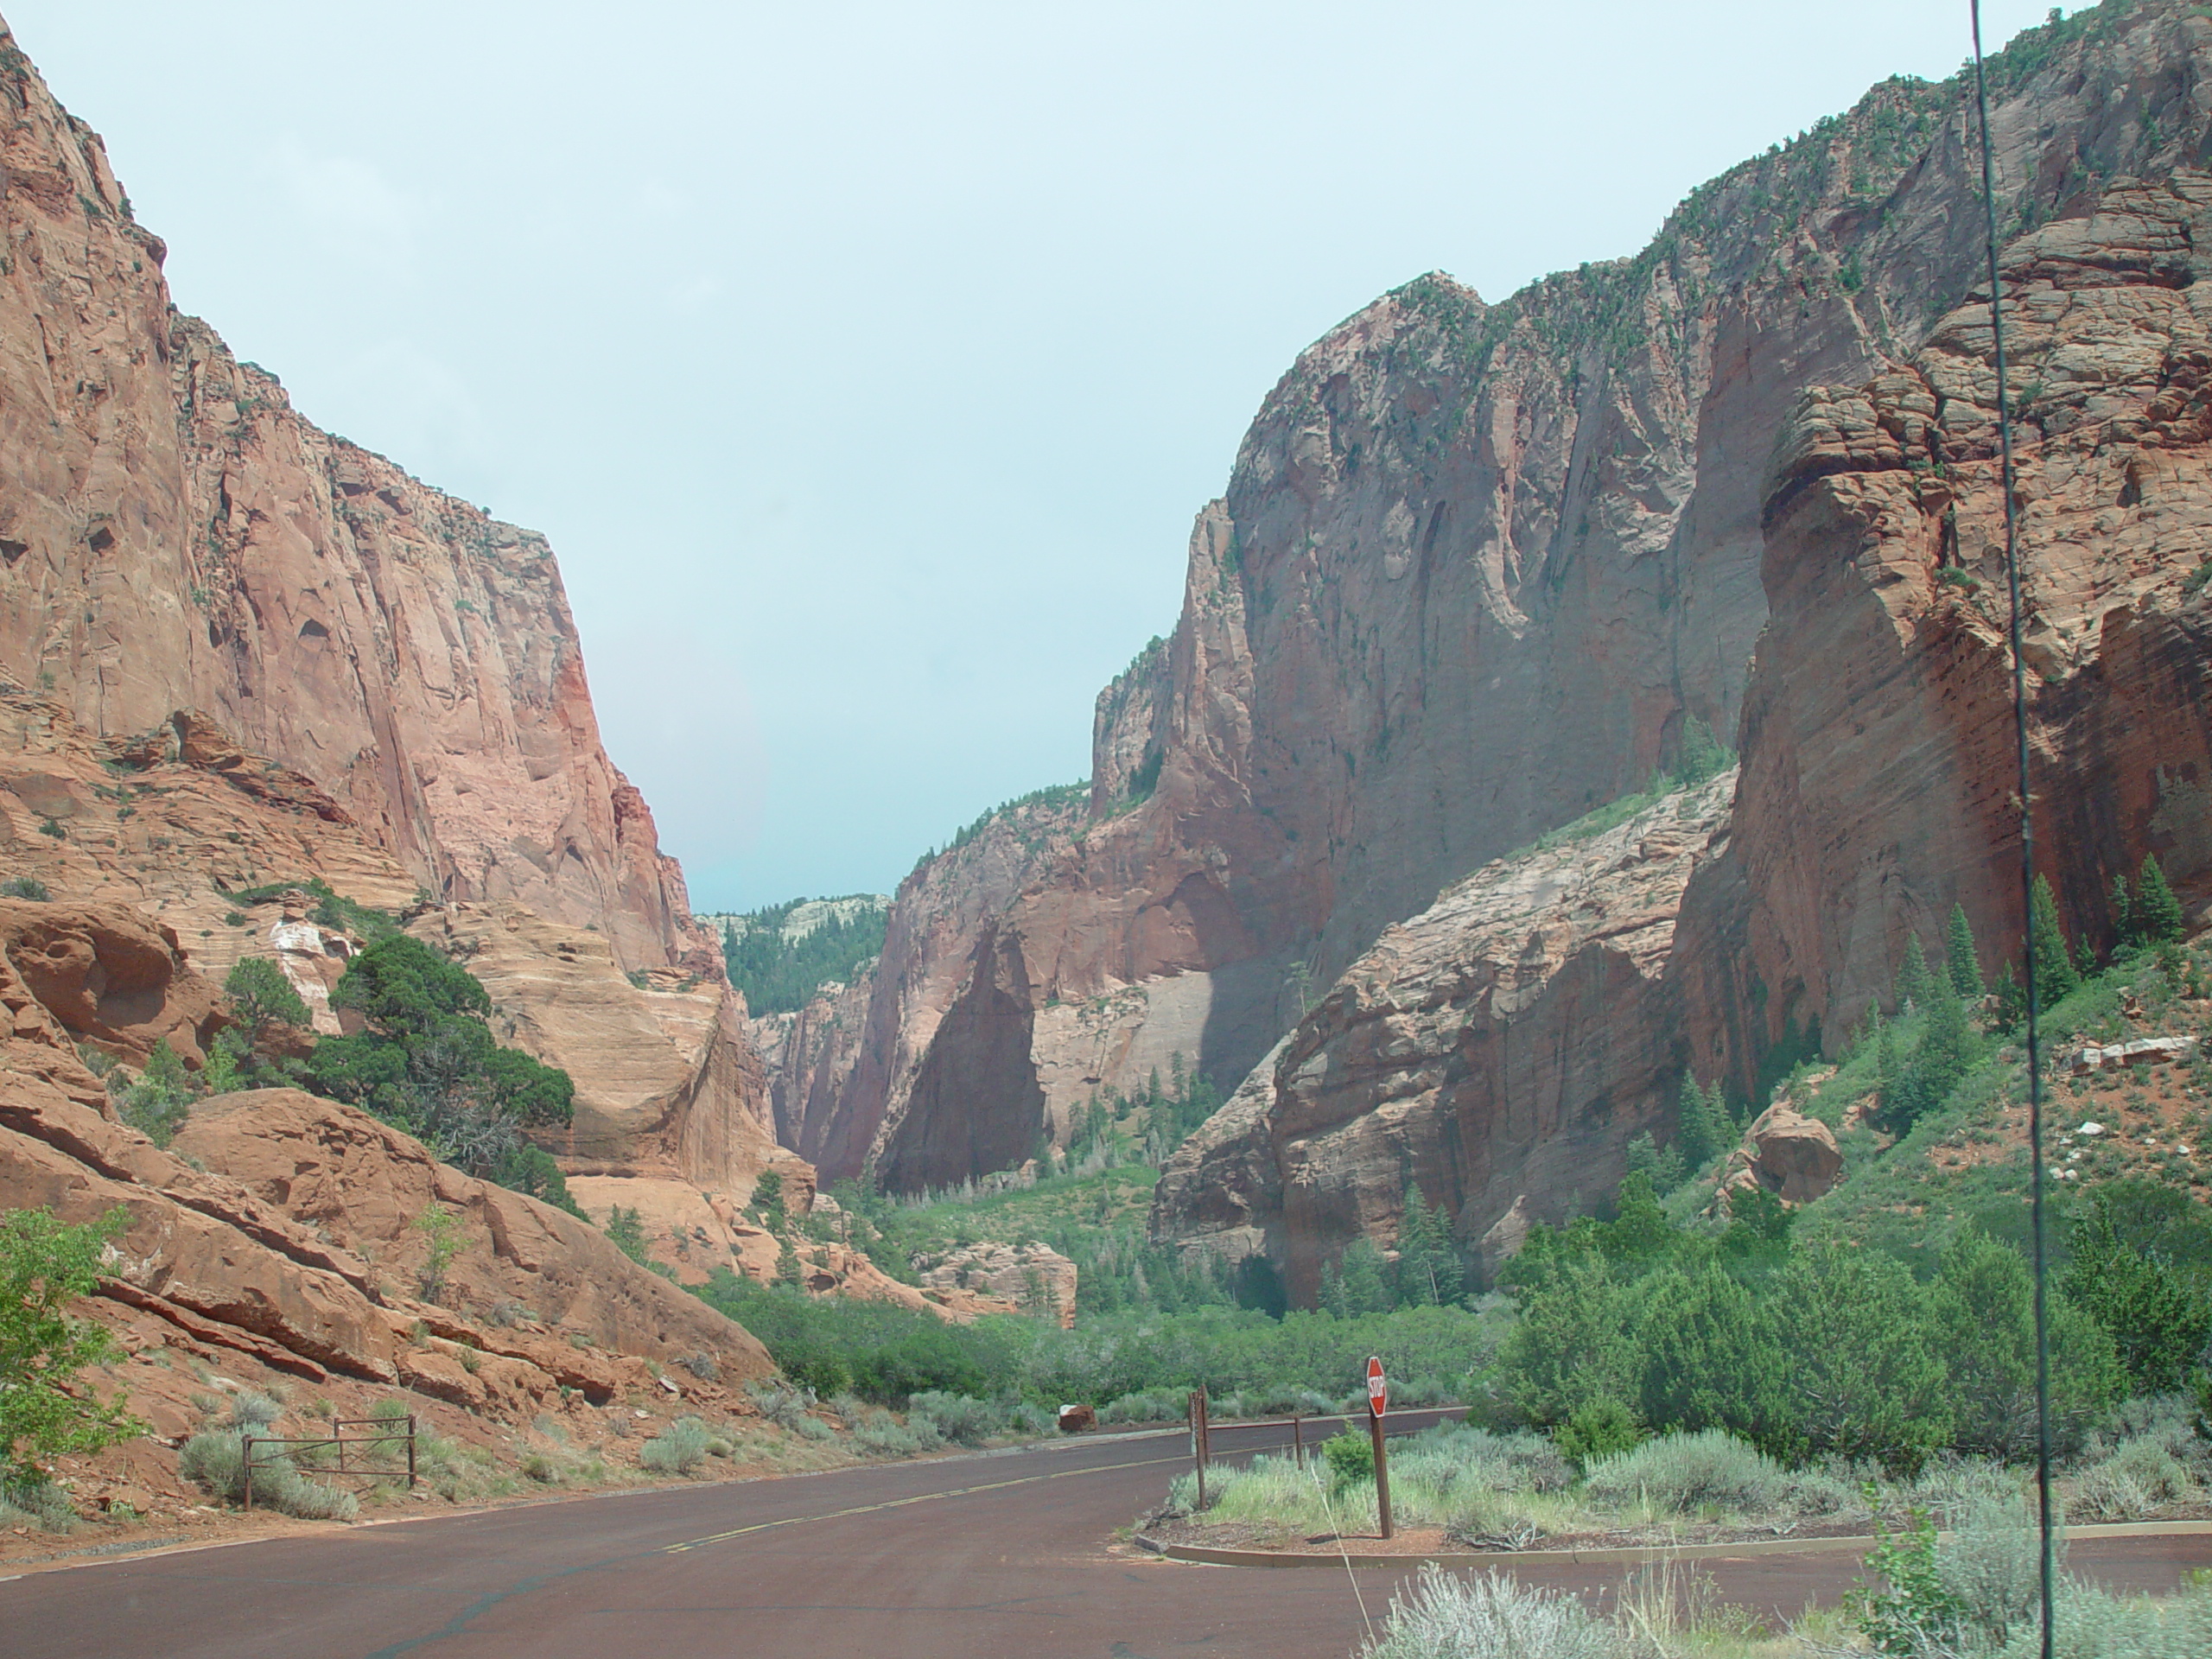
{"points": [[1880, 783], [179, 829], [667, 1086], [290, 1236]]}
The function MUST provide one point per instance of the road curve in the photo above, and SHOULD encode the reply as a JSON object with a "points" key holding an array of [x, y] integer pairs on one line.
{"points": [[1003, 1556]]}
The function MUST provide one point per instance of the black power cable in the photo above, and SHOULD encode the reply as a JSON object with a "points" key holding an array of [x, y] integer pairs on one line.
{"points": [[2047, 1562]]}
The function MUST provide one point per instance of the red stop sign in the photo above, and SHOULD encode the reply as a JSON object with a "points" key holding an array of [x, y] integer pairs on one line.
{"points": [[1378, 1394]]}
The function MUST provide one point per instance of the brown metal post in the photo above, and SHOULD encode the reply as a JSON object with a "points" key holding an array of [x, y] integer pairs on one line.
{"points": [[338, 1431], [1298, 1440], [1381, 1472], [410, 1451], [246, 1451], [1198, 1458], [1205, 1441]]}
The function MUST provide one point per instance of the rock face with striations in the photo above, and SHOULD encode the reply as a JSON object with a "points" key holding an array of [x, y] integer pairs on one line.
{"points": [[1876, 733], [1497, 1052], [174, 535], [261, 1247], [1881, 702], [1479, 568]]}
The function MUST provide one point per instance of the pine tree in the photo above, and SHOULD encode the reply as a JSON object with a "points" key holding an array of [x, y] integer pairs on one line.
{"points": [[1701, 756], [2012, 1001], [1730, 1120], [1914, 980], [1700, 1131], [1885, 1053], [1662, 1169], [2055, 974], [2125, 929], [1356, 1285], [1960, 958], [2159, 919], [1428, 1267]]}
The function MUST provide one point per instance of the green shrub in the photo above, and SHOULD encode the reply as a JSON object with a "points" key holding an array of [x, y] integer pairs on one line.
{"points": [[679, 1449], [36, 1502], [26, 887], [261, 997], [1150, 1406], [427, 1063], [883, 1438], [1351, 1458], [884, 1353], [788, 1407], [961, 1418], [1916, 1613], [159, 1102], [1599, 1428]]}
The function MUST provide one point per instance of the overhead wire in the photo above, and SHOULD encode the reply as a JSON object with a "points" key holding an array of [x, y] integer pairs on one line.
{"points": [[2047, 1554]]}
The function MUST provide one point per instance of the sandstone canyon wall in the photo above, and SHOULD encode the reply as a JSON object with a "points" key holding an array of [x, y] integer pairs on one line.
{"points": [[239, 653], [173, 535], [1876, 737], [1477, 570]]}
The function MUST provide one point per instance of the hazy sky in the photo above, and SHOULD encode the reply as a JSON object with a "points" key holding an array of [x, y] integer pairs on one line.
{"points": [[866, 362]]}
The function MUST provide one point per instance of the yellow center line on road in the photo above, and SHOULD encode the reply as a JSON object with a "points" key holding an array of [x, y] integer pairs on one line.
{"points": [[918, 1497]]}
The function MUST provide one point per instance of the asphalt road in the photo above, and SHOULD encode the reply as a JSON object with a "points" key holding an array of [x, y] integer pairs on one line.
{"points": [[993, 1557]]}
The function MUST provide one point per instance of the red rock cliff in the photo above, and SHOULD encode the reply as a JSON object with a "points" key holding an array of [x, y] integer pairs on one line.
{"points": [[1877, 733], [1476, 569], [173, 535]]}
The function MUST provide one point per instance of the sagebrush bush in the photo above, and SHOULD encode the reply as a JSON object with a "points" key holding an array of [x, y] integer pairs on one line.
{"points": [[251, 1410], [1447, 1618], [1991, 1564], [40, 1503], [215, 1458], [679, 1449], [1686, 1472], [2091, 1624], [886, 1438], [960, 1418], [1148, 1405], [784, 1404]]}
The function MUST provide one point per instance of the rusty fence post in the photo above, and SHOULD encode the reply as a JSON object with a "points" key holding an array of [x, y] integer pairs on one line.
{"points": [[1298, 1439], [410, 1451], [245, 1452]]}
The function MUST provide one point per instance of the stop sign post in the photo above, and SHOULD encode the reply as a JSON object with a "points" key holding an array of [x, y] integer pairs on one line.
{"points": [[1379, 1401]]}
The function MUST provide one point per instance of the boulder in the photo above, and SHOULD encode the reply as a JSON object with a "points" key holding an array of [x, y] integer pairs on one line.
{"points": [[1787, 1153]]}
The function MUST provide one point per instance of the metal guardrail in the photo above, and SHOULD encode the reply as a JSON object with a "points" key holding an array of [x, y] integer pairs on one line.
{"points": [[390, 1431]]}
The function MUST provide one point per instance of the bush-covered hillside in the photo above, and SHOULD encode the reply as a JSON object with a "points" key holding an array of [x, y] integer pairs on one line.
{"points": [[780, 962]]}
